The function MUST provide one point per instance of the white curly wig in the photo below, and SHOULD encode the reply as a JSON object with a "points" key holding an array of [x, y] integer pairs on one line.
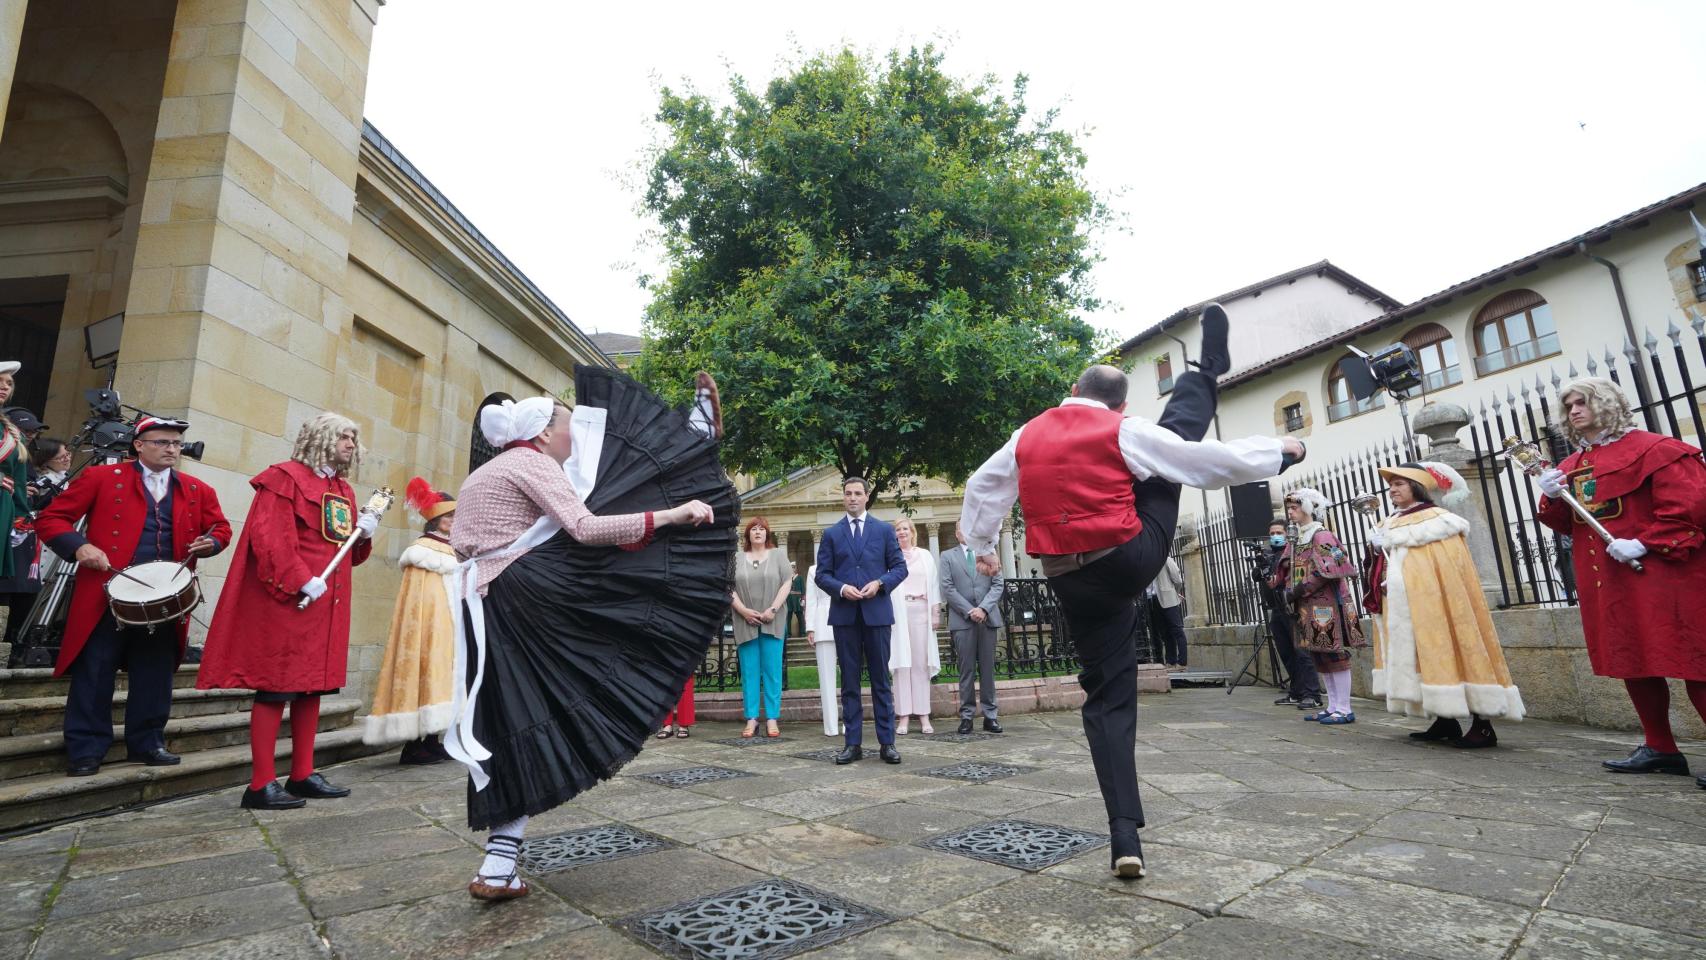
{"points": [[1610, 408], [317, 438], [1311, 500]]}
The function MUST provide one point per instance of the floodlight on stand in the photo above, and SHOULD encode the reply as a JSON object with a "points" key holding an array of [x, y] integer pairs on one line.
{"points": [[101, 339]]}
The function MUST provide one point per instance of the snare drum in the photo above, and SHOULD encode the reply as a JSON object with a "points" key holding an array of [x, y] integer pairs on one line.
{"points": [[167, 594]]}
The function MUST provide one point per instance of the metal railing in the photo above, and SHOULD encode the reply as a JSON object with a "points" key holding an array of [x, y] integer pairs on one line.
{"points": [[1345, 409], [1440, 379], [1516, 354]]}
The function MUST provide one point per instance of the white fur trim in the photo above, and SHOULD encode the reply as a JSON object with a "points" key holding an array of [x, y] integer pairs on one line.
{"points": [[1378, 684], [1442, 526], [427, 559], [379, 730]]}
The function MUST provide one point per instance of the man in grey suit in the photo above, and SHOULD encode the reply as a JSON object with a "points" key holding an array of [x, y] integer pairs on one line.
{"points": [[974, 614]]}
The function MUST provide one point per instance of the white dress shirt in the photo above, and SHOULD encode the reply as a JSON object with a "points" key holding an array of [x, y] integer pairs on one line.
{"points": [[157, 482], [1149, 451]]}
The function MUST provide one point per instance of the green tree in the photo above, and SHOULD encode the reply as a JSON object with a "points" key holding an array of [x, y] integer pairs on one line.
{"points": [[882, 265]]}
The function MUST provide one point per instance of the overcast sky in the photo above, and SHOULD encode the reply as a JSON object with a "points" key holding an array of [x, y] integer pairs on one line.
{"points": [[1413, 148]]}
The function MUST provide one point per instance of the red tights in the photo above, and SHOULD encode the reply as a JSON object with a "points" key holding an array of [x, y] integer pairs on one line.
{"points": [[1651, 696], [264, 722]]}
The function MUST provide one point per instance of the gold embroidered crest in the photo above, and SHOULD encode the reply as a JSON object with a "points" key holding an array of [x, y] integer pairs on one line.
{"points": [[337, 517]]}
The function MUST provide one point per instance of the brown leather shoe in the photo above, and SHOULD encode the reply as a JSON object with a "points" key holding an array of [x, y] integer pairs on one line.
{"points": [[481, 890]]}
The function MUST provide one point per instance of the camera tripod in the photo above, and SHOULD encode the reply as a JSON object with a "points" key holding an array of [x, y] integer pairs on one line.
{"points": [[1261, 638]]}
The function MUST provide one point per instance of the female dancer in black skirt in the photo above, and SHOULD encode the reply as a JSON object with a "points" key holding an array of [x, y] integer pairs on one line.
{"points": [[580, 616]]}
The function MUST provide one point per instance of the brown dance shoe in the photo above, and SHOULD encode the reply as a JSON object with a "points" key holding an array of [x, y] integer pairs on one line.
{"points": [[498, 888]]}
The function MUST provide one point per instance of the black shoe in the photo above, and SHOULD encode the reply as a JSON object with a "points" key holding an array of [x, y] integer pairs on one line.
{"points": [[1213, 357], [271, 797], [1444, 728], [1480, 735], [991, 725], [1647, 760], [852, 754], [889, 753], [315, 787], [82, 768], [1286, 701], [420, 753], [965, 727], [156, 758], [1126, 854], [1700, 782], [1309, 703]]}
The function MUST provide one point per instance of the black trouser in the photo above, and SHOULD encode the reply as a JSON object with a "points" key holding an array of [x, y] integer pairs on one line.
{"points": [[1305, 682], [1169, 624], [150, 658], [1100, 605]]}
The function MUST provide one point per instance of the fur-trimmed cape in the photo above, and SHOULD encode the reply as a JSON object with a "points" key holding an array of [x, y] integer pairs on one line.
{"points": [[414, 695], [1439, 654]]}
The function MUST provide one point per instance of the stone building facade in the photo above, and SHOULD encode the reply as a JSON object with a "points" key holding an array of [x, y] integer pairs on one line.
{"points": [[202, 170]]}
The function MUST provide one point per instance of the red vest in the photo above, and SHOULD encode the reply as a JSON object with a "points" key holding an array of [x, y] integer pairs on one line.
{"points": [[1074, 485]]}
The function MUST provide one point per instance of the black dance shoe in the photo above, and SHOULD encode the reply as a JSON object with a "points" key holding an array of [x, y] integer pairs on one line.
{"points": [[157, 757], [1444, 728], [315, 787], [965, 727], [991, 725], [852, 754], [889, 753], [1126, 855], [82, 768], [1647, 760], [1480, 736], [271, 797], [1214, 358]]}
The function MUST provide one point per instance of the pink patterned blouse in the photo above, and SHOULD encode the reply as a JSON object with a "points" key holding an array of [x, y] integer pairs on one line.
{"points": [[510, 492]]}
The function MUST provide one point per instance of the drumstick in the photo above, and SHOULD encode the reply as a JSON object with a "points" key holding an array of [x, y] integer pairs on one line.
{"points": [[132, 579]]}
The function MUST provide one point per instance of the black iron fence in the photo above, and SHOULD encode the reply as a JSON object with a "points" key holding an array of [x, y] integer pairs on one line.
{"points": [[1034, 642], [1534, 562]]}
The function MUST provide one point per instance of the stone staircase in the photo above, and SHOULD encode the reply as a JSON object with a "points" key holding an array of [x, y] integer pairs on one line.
{"points": [[208, 728]]}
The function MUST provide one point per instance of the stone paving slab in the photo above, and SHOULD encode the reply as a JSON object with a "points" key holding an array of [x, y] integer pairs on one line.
{"points": [[1267, 837]]}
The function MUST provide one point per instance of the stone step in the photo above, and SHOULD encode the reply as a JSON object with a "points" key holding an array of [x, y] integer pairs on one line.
{"points": [[47, 714], [51, 797], [25, 682], [29, 754]]}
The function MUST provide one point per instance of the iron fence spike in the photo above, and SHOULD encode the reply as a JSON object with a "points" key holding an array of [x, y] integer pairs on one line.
{"points": [[1674, 332], [1651, 343], [1556, 383], [1573, 374], [1629, 352], [1524, 392], [1593, 368], [1699, 321]]}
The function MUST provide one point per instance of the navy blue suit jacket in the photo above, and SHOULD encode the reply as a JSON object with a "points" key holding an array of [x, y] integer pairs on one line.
{"points": [[878, 558]]}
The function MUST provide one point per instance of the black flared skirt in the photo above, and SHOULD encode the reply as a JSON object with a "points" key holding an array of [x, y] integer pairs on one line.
{"points": [[587, 647]]}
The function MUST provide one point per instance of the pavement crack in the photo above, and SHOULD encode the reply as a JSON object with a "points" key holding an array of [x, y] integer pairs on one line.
{"points": [[1575, 855], [52, 895]]}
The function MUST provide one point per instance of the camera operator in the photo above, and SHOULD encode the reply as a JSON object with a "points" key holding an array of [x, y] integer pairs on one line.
{"points": [[1305, 689], [50, 463]]}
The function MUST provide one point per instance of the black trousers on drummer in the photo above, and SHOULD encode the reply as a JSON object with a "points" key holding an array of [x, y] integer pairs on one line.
{"points": [[1100, 602], [150, 658]]}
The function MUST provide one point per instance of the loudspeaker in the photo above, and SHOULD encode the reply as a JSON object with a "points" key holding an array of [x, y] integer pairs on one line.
{"points": [[1252, 510]]}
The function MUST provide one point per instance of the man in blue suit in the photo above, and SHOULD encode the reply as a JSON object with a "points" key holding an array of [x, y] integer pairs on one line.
{"points": [[858, 564]]}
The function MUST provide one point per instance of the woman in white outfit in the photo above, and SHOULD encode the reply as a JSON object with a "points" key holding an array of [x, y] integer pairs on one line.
{"points": [[913, 654], [822, 638]]}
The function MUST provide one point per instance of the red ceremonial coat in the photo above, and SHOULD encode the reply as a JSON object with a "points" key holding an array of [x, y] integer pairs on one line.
{"points": [[113, 500], [1651, 488], [258, 639]]}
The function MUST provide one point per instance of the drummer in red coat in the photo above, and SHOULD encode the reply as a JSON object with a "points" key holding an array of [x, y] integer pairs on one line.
{"points": [[1649, 491], [155, 513], [303, 511]]}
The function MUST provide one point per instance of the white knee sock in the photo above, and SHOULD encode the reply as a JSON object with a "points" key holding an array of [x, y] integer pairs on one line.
{"points": [[502, 847], [1339, 691]]}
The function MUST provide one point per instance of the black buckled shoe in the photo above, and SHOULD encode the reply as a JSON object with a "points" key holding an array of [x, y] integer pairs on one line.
{"points": [[158, 757], [1444, 728], [852, 754], [889, 753], [1647, 760], [315, 787], [82, 768], [965, 727], [991, 725], [1480, 736], [270, 797]]}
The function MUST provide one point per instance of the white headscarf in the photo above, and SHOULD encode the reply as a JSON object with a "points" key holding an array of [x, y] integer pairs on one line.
{"points": [[509, 421]]}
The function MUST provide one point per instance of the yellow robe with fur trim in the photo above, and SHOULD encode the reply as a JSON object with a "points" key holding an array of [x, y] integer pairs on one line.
{"points": [[1438, 654], [413, 698]]}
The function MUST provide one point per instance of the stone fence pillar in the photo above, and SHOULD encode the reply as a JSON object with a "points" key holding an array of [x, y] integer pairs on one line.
{"points": [[1440, 423]]}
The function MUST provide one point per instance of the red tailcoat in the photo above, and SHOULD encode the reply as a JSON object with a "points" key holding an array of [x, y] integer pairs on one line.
{"points": [[1650, 488], [259, 640], [113, 500]]}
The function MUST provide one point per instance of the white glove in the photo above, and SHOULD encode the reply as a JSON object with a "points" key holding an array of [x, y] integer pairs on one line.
{"points": [[1624, 551], [314, 588], [1551, 482], [1377, 537], [367, 524]]}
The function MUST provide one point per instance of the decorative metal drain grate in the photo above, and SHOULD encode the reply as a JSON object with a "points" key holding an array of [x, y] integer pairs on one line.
{"points": [[751, 741], [1018, 843], [958, 737], [827, 755], [689, 776], [764, 921], [976, 771], [590, 845]]}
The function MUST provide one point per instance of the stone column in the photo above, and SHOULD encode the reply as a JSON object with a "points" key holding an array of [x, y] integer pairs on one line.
{"points": [[1440, 422], [1008, 569], [11, 41], [935, 542]]}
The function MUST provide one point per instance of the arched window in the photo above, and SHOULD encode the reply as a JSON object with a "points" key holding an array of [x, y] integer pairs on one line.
{"points": [[1341, 403], [1514, 328], [1436, 351]]}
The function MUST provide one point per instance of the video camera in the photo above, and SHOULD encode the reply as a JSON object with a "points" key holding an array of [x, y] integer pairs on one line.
{"points": [[108, 433]]}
